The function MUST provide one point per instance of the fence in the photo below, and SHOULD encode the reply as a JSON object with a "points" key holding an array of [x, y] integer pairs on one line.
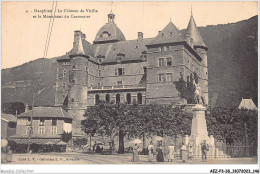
{"points": [[217, 152]]}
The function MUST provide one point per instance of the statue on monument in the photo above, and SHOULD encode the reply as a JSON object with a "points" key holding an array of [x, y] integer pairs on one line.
{"points": [[197, 93]]}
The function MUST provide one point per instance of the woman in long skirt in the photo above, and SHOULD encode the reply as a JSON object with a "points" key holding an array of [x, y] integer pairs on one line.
{"points": [[150, 152], [159, 156], [171, 153], [135, 153]]}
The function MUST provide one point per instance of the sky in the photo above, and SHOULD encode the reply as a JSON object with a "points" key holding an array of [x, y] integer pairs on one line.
{"points": [[24, 37]]}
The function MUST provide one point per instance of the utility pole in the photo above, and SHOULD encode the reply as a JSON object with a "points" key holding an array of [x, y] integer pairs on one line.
{"points": [[30, 131]]}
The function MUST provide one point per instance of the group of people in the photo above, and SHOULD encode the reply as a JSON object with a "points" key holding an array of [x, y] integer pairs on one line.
{"points": [[98, 148], [152, 152], [186, 152]]}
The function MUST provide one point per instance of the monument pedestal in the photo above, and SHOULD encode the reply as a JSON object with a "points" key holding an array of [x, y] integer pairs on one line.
{"points": [[199, 130], [199, 133]]}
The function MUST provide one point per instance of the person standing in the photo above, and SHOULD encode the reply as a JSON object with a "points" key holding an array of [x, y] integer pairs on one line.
{"points": [[204, 150], [135, 153], [171, 153], [190, 152], [150, 152], [183, 153], [159, 156]]}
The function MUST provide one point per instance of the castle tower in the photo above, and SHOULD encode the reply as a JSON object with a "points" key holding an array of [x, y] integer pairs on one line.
{"points": [[194, 39], [78, 80]]}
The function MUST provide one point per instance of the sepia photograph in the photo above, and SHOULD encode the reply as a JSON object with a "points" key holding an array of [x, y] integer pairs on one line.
{"points": [[153, 83]]}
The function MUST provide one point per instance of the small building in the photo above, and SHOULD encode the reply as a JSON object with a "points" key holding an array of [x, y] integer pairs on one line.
{"points": [[48, 124], [8, 125], [247, 104]]}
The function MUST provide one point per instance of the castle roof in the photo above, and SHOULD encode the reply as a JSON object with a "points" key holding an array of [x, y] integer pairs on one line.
{"points": [[168, 35], [130, 50], [87, 51], [79, 48], [192, 29], [109, 33], [43, 112]]}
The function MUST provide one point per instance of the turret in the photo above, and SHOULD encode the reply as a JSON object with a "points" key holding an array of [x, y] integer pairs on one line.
{"points": [[194, 39], [78, 80], [111, 17]]}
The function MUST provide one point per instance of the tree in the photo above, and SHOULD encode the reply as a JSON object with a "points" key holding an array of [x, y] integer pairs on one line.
{"points": [[233, 125], [135, 121], [66, 137], [108, 119], [186, 89]]}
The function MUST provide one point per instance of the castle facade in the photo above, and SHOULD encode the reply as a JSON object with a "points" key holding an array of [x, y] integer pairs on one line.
{"points": [[142, 71]]}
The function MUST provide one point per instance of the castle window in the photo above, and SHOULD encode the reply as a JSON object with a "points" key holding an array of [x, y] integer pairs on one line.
{"points": [[196, 77], [121, 71], [97, 99], [188, 78], [41, 130], [64, 73], [166, 48], [54, 130], [41, 122], [73, 67], [28, 130], [117, 98], [128, 98], [116, 72], [169, 61], [64, 85], [139, 98], [168, 77], [160, 77], [119, 83], [161, 62], [72, 100], [86, 68], [107, 98], [29, 120]]}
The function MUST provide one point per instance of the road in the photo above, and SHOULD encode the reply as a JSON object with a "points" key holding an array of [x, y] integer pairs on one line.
{"points": [[84, 158]]}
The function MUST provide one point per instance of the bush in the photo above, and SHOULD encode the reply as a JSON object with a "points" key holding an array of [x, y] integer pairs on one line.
{"points": [[79, 142]]}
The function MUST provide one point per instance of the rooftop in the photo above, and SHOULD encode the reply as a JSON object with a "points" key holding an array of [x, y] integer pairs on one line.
{"points": [[247, 104], [8, 117], [43, 112]]}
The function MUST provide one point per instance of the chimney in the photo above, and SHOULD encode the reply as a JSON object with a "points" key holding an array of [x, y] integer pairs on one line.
{"points": [[140, 36], [77, 33], [26, 108], [159, 32], [188, 38]]}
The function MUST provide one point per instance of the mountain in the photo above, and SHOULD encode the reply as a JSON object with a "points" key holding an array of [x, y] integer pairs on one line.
{"points": [[232, 61], [20, 82], [232, 64]]}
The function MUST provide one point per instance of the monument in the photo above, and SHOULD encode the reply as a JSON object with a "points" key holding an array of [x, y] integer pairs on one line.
{"points": [[199, 131]]}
